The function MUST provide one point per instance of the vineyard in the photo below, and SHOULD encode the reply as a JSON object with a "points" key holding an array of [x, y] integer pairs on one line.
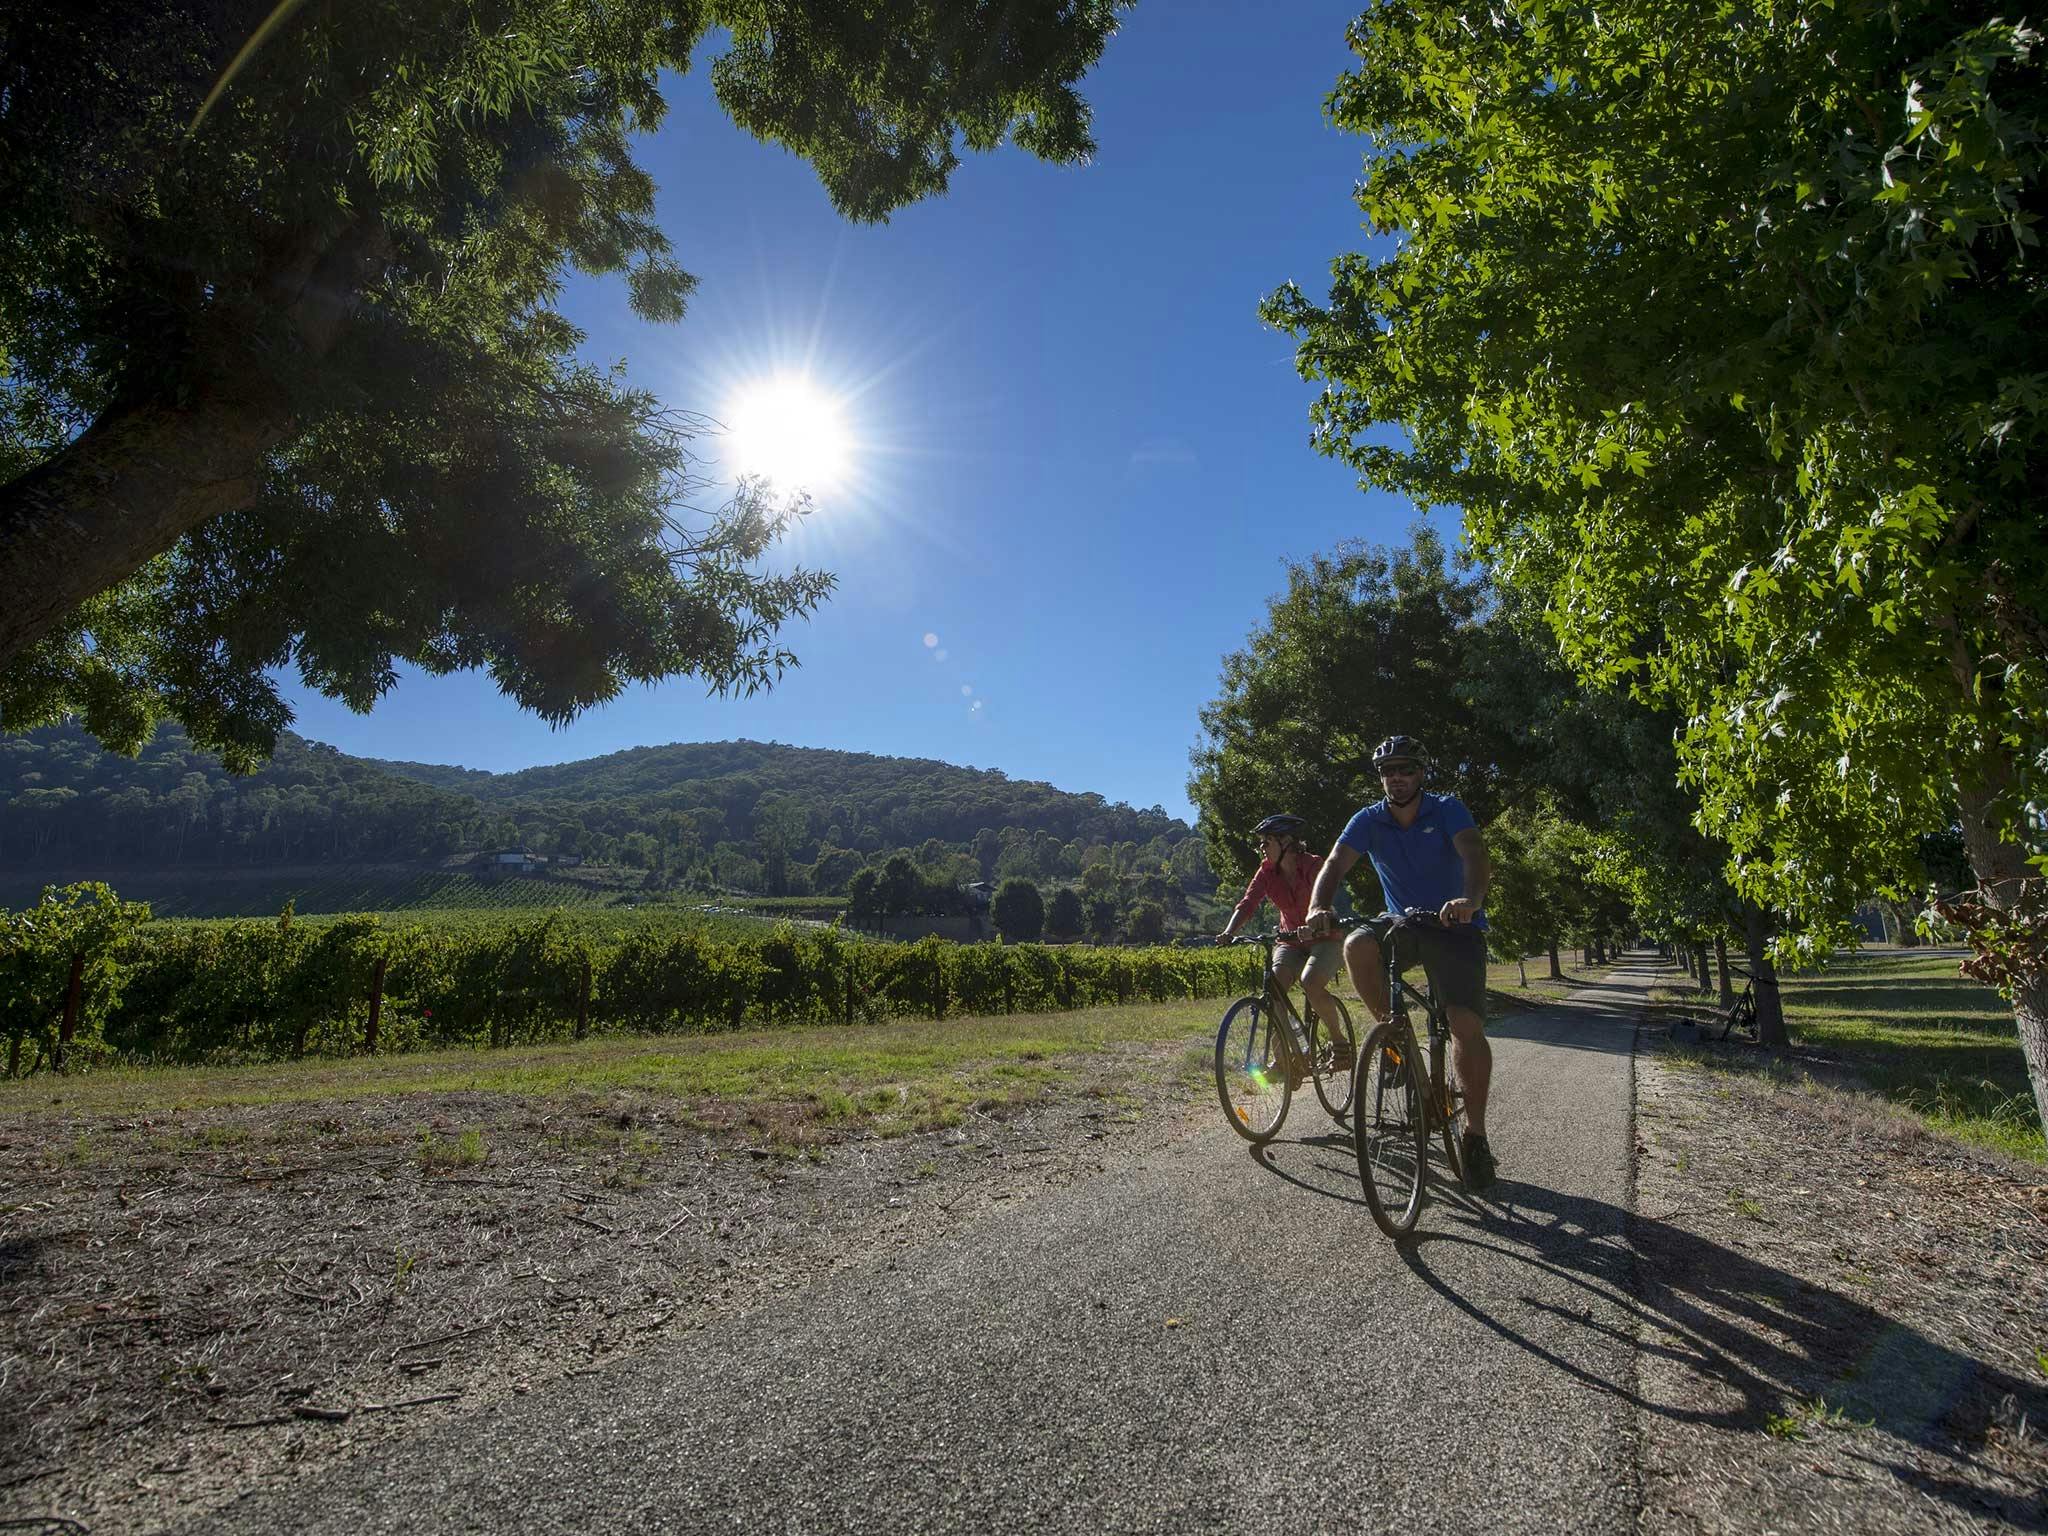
{"points": [[132, 990], [238, 893]]}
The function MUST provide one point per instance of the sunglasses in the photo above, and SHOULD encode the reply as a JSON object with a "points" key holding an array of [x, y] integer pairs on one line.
{"points": [[1399, 770]]}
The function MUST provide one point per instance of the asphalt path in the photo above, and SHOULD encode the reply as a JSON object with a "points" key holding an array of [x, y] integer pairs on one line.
{"points": [[1204, 1339]]}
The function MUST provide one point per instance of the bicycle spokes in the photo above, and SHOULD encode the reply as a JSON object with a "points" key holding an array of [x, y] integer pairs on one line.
{"points": [[1251, 1070]]}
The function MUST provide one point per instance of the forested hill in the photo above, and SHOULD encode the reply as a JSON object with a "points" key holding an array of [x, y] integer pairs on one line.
{"points": [[904, 800], [748, 814]]}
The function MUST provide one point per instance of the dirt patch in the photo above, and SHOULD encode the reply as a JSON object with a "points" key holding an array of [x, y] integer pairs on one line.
{"points": [[1844, 1316], [197, 1305]]}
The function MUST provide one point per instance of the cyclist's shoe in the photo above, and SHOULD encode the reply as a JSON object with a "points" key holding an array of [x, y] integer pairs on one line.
{"points": [[1342, 1057], [1479, 1166]]}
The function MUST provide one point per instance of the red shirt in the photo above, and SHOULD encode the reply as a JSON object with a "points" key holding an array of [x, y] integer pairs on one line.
{"points": [[1290, 896]]}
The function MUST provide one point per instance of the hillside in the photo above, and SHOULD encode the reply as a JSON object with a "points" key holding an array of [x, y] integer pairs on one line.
{"points": [[740, 815]]}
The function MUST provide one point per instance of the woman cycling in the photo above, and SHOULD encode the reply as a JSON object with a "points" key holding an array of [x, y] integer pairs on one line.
{"points": [[1286, 876]]}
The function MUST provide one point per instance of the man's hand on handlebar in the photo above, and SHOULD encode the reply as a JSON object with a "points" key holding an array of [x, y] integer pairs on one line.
{"points": [[1457, 910], [1223, 938], [1321, 923]]}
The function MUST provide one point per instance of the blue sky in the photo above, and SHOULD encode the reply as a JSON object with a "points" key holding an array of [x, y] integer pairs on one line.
{"points": [[1080, 460]]}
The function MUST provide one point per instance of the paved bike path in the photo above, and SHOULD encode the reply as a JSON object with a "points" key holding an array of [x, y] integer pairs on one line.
{"points": [[1023, 1373]]}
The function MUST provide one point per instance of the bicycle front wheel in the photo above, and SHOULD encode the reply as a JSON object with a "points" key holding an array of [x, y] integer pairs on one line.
{"points": [[1251, 1071], [1331, 1063], [1389, 1126]]}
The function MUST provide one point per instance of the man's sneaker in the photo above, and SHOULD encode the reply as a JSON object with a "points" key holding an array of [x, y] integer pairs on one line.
{"points": [[1479, 1169]]}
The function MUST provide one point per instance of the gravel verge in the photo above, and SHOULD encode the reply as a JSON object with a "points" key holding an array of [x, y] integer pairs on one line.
{"points": [[1843, 1317]]}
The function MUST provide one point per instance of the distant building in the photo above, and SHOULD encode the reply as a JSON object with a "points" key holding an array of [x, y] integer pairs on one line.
{"points": [[978, 893], [568, 860], [516, 858]]}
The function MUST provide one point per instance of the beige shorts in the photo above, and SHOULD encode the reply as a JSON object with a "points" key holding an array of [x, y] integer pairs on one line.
{"points": [[1316, 965]]}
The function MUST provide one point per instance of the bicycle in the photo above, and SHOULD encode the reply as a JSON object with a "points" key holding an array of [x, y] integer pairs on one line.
{"points": [[1396, 1107], [1742, 1012], [1261, 1056]]}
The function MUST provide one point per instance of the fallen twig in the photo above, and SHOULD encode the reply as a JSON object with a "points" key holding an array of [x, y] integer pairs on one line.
{"points": [[410, 1402], [597, 1226], [328, 1415], [441, 1338], [664, 1232]]}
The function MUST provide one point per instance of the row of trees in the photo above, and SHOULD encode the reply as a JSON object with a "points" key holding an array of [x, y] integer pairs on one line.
{"points": [[1577, 786], [1723, 327]]}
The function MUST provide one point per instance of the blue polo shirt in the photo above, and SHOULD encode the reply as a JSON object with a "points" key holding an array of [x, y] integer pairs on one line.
{"points": [[1418, 864]]}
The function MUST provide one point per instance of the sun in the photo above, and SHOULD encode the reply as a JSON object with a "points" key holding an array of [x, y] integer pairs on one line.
{"points": [[788, 430]]}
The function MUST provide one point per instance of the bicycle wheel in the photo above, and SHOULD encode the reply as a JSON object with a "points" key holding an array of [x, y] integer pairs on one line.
{"points": [[1331, 1067], [1388, 1127], [1251, 1071]]}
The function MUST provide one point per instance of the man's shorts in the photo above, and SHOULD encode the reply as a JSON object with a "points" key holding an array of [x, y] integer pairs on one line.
{"points": [[1316, 964], [1454, 960]]}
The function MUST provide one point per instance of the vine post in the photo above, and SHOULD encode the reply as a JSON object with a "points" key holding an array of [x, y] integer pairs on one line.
{"points": [[376, 1006], [70, 1025]]}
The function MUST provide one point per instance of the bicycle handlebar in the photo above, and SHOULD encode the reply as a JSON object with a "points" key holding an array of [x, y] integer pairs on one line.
{"points": [[1385, 923]]}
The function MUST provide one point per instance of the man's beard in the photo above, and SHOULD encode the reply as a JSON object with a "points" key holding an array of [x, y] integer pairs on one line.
{"points": [[1404, 801]]}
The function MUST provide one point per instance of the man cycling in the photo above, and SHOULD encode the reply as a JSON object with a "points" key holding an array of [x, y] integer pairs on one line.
{"points": [[1285, 876], [1427, 852]]}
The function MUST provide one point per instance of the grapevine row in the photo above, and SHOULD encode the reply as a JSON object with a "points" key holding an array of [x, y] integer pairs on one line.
{"points": [[270, 990]]}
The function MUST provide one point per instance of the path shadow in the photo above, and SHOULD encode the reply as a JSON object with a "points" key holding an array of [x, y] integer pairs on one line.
{"points": [[1330, 1169], [1769, 1339]]}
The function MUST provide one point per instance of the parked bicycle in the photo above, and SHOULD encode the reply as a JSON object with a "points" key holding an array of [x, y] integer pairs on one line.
{"points": [[1400, 1098], [1263, 1053], [1742, 1012]]}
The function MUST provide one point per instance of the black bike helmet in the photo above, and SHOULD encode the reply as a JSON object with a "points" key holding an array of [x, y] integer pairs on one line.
{"points": [[1283, 825], [1399, 747]]}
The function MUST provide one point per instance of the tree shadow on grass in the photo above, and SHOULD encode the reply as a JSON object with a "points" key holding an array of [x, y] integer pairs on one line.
{"points": [[1761, 1340]]}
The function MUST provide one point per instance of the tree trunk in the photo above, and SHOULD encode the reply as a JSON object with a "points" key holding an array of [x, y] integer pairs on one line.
{"points": [[1907, 936], [1556, 970], [121, 493], [2000, 867], [151, 468], [1705, 975], [1721, 961], [1770, 1013], [1523, 962]]}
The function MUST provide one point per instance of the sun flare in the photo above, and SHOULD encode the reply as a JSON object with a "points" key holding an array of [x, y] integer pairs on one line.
{"points": [[791, 432]]}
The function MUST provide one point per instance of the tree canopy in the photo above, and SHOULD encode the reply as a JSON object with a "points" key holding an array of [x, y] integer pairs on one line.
{"points": [[1723, 326], [283, 379], [1363, 643]]}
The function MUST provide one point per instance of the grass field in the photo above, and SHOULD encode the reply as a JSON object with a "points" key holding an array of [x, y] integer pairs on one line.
{"points": [[889, 1078], [1926, 1039]]}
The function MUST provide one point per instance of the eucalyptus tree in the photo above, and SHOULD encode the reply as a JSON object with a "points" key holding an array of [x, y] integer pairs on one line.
{"points": [[283, 375], [1727, 322]]}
